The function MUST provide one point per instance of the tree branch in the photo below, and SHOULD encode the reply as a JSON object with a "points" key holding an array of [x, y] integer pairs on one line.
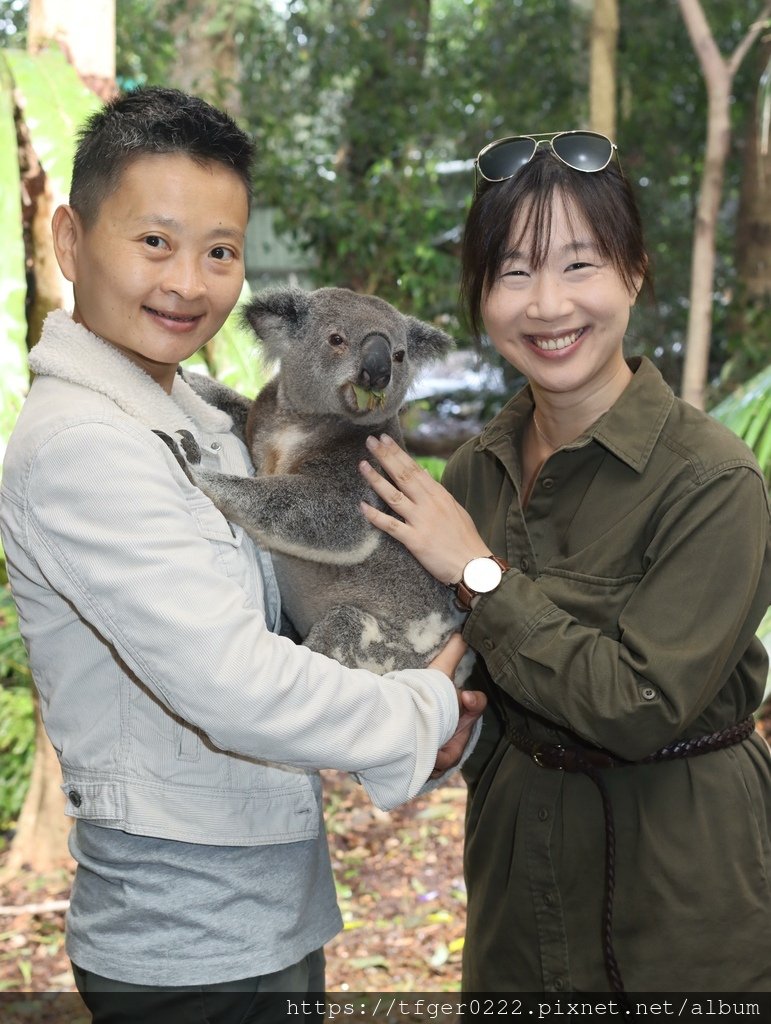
{"points": [[753, 32], [710, 58]]}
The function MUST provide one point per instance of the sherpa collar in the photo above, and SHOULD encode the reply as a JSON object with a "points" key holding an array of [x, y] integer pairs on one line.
{"points": [[71, 352]]}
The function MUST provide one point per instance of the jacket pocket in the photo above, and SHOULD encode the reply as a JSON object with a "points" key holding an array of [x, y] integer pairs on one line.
{"points": [[595, 601], [225, 537]]}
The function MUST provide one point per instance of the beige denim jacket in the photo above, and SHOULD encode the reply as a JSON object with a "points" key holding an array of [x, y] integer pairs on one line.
{"points": [[174, 709]]}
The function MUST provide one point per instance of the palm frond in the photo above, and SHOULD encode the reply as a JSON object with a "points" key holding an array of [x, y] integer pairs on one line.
{"points": [[748, 413]]}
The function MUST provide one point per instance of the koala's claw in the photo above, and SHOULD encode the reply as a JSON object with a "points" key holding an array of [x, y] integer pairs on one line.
{"points": [[189, 447]]}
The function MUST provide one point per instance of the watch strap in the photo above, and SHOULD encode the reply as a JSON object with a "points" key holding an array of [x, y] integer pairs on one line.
{"points": [[465, 595]]}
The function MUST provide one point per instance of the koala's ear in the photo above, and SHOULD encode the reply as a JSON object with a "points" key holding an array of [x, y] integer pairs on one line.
{"points": [[274, 314], [426, 342]]}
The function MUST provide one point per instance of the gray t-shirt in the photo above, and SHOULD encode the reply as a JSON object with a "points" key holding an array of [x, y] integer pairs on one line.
{"points": [[160, 912]]}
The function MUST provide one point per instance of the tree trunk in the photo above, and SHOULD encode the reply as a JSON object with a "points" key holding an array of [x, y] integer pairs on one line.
{"points": [[602, 67], [88, 42], [753, 233], [718, 76], [44, 280], [40, 842], [211, 67]]}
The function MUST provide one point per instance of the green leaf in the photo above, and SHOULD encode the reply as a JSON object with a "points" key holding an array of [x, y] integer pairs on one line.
{"points": [[54, 103], [434, 465], [440, 917], [232, 355], [361, 962], [440, 957], [748, 413]]}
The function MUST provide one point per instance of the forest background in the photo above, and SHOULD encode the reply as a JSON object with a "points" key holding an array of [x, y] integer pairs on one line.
{"points": [[367, 117]]}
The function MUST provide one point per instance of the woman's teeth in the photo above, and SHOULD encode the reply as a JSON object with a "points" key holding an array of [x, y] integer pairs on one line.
{"points": [[553, 344], [172, 316]]}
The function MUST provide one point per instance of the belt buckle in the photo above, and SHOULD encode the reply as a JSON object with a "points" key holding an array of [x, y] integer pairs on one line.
{"points": [[549, 756]]}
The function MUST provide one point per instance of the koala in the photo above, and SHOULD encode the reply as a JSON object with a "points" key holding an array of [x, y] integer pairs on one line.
{"points": [[345, 363]]}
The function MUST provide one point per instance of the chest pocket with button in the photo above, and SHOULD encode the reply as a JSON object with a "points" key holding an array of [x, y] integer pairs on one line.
{"points": [[225, 537]]}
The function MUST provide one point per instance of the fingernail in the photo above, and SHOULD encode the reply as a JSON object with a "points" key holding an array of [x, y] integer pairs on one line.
{"points": [[385, 439], [371, 442], [364, 466]]}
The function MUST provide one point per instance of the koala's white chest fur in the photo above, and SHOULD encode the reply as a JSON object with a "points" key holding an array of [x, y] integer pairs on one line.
{"points": [[282, 450]]}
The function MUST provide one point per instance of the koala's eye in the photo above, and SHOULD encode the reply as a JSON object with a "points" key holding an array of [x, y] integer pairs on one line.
{"points": [[399, 356], [336, 340]]}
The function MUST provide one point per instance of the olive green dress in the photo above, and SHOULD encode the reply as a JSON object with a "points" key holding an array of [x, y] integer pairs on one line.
{"points": [[641, 569]]}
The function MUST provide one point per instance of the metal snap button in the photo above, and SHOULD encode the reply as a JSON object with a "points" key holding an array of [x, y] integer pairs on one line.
{"points": [[547, 483], [215, 446], [524, 564]]}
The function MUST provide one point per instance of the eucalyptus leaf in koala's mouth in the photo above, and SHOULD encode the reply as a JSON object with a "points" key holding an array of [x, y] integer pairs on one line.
{"points": [[368, 401]]}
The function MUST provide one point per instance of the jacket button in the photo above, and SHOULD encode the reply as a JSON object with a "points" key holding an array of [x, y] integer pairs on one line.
{"points": [[524, 564], [547, 483], [75, 798], [215, 446], [488, 644], [648, 693], [543, 814]]}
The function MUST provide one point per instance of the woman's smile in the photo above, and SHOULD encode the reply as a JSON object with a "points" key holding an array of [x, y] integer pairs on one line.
{"points": [[556, 342]]}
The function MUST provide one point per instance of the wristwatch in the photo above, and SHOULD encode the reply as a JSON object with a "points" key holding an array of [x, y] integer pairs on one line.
{"points": [[480, 576]]}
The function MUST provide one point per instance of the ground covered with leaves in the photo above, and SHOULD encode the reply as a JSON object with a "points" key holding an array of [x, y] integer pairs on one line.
{"points": [[400, 887]]}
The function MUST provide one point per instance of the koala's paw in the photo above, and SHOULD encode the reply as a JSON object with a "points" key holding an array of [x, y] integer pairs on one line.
{"points": [[190, 453], [190, 447]]}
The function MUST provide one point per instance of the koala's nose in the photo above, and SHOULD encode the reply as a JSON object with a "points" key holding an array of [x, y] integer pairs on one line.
{"points": [[375, 372]]}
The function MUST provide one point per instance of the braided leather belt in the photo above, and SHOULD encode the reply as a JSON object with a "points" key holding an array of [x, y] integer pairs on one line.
{"points": [[591, 763]]}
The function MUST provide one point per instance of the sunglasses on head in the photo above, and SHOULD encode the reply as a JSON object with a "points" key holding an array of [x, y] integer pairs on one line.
{"points": [[583, 151]]}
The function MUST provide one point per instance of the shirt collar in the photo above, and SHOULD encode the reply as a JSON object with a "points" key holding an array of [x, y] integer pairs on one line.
{"points": [[629, 429]]}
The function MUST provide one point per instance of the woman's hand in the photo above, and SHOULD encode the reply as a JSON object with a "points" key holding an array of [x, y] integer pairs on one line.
{"points": [[471, 705], [436, 529]]}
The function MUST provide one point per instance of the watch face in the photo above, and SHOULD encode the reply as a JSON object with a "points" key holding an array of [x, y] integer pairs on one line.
{"points": [[482, 575]]}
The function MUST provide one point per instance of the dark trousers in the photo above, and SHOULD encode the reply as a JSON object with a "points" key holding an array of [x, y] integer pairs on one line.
{"points": [[260, 1000]]}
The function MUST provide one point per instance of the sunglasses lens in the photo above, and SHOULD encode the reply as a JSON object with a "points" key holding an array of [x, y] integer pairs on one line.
{"points": [[505, 159], [584, 151]]}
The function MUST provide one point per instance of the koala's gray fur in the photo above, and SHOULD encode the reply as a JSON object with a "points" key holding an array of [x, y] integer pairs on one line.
{"points": [[350, 591]]}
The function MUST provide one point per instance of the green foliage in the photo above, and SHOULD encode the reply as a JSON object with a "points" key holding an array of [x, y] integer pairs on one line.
{"points": [[367, 118], [435, 466], [662, 135], [13, 281], [54, 105], [355, 155], [54, 102], [145, 50], [358, 108], [231, 356], [13, 23], [748, 413], [17, 715]]}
